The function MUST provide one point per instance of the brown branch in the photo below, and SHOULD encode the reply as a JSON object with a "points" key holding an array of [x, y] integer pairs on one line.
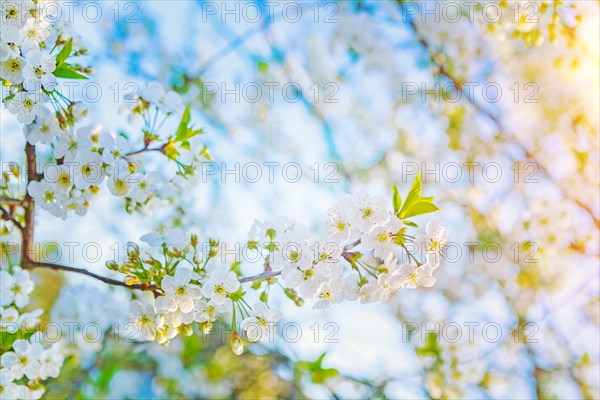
{"points": [[29, 205], [10, 201], [57, 267], [264, 275], [146, 149], [11, 218]]}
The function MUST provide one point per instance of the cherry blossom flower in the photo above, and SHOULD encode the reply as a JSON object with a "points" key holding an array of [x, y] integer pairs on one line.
{"points": [[367, 210], [34, 32], [69, 145], [15, 287], [258, 326], [170, 237], [38, 71], [11, 68], [434, 240], [114, 148], [329, 293], [23, 360], [146, 319], [120, 181], [167, 102], [209, 311], [8, 388], [178, 288], [88, 170], [47, 196], [339, 226], [43, 130], [27, 106], [414, 277], [380, 238], [220, 284]]}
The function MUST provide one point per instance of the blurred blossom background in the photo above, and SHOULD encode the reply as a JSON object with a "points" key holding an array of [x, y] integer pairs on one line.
{"points": [[495, 103]]}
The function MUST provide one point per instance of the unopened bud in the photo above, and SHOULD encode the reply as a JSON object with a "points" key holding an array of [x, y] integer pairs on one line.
{"points": [[131, 280], [186, 330], [237, 346], [111, 265], [205, 327]]}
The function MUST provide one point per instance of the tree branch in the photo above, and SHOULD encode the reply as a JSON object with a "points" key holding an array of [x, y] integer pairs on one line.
{"points": [[29, 205], [57, 267], [11, 218], [10, 201], [264, 275]]}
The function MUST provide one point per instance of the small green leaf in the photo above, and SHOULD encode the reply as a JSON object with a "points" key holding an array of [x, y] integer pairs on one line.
{"points": [[65, 52], [418, 208], [183, 125], [414, 194], [263, 67], [68, 73], [397, 200]]}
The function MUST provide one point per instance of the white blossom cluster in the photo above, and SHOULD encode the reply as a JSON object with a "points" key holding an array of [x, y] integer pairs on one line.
{"points": [[313, 265], [308, 264], [34, 49], [28, 360]]}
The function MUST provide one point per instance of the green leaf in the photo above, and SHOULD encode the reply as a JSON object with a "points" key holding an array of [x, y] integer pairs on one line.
{"points": [[414, 194], [263, 67], [68, 73], [418, 208], [410, 223], [185, 132], [397, 200], [65, 52], [183, 125]]}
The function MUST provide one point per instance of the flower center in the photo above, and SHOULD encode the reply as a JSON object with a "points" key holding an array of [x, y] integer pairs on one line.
{"points": [[38, 71], [220, 290], [64, 180], [326, 295], [48, 197], [382, 237], [15, 65], [120, 186], [340, 226], [367, 212], [308, 274], [180, 290]]}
